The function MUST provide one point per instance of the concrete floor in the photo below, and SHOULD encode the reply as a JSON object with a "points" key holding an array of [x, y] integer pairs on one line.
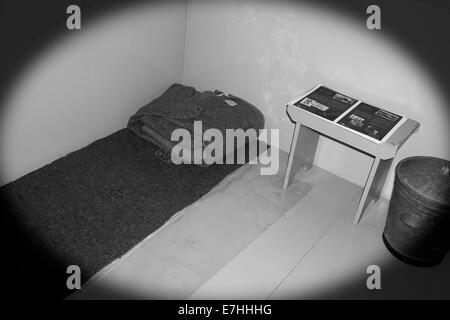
{"points": [[241, 241]]}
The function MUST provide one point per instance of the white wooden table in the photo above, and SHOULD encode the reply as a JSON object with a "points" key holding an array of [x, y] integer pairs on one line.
{"points": [[308, 128]]}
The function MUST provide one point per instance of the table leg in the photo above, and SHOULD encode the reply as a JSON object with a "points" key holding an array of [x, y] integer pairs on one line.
{"points": [[302, 151], [373, 186]]}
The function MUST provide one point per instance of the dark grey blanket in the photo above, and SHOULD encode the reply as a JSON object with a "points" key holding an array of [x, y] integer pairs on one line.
{"points": [[89, 208], [179, 106]]}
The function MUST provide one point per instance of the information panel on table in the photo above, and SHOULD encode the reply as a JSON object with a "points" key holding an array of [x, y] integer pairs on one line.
{"points": [[366, 120]]}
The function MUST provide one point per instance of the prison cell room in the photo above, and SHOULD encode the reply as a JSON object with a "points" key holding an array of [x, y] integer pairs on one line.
{"points": [[221, 150]]}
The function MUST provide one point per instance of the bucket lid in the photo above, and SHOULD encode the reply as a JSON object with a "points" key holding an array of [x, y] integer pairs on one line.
{"points": [[427, 179]]}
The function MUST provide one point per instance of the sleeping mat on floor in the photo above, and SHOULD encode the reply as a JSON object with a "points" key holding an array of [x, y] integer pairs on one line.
{"points": [[89, 208]]}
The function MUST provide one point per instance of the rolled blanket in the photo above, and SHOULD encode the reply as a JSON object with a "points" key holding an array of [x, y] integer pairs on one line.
{"points": [[179, 106]]}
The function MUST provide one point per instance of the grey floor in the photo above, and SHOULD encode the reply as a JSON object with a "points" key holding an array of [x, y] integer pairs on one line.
{"points": [[241, 242]]}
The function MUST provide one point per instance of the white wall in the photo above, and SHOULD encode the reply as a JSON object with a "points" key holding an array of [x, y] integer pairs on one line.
{"points": [[270, 52], [87, 84]]}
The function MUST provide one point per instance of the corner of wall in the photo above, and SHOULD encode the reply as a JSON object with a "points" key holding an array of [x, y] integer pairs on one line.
{"points": [[186, 26]]}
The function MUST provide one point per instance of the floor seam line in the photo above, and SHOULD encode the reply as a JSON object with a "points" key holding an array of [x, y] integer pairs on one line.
{"points": [[315, 243]]}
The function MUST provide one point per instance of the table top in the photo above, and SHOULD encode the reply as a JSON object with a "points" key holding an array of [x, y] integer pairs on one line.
{"points": [[384, 150]]}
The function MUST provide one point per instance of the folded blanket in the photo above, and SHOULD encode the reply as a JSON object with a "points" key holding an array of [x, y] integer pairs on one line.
{"points": [[179, 106]]}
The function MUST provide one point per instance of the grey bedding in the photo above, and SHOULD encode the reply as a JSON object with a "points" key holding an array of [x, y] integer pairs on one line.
{"points": [[179, 106]]}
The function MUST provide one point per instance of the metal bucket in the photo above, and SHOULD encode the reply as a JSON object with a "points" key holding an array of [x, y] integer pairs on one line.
{"points": [[417, 229]]}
